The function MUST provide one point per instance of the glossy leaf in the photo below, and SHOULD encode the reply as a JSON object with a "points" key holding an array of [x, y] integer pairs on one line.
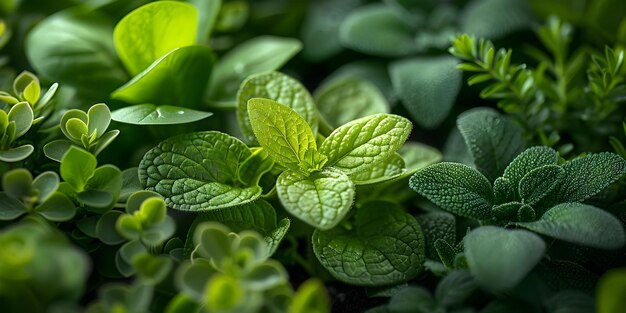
{"points": [[77, 166], [16, 154], [22, 115], [150, 114]]}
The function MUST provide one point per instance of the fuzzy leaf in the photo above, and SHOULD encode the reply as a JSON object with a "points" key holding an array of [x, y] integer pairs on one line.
{"points": [[320, 199], [198, 171], [493, 19], [530, 159], [456, 188], [539, 182], [385, 246], [150, 114], [437, 225], [581, 224]]}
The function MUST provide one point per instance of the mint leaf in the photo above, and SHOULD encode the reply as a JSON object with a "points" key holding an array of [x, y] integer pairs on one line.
{"points": [[499, 258], [362, 143], [456, 188], [280, 88], [149, 32], [530, 159], [150, 114], [384, 246], [320, 199], [492, 138], [539, 182], [581, 224], [283, 133], [198, 171]]}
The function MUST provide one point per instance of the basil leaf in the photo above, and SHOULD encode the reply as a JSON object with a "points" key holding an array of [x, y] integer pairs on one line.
{"points": [[198, 171], [384, 246], [581, 224], [362, 143], [280, 88], [456, 188], [150, 114], [320, 199]]}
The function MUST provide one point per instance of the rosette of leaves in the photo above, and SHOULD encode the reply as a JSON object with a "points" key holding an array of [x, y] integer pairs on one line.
{"points": [[87, 130], [24, 195], [26, 88], [32, 255]]}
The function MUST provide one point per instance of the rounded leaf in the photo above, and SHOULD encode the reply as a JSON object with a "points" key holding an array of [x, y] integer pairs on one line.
{"points": [[22, 115], [57, 208]]}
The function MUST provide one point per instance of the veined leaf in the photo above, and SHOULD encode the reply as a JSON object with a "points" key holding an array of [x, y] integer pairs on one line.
{"points": [[198, 171], [280, 88], [456, 188], [385, 170], [321, 198], [527, 161], [362, 143], [150, 114], [384, 246], [539, 182], [581, 224], [437, 225]]}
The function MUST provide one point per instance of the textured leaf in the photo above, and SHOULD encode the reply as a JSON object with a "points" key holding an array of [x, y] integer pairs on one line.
{"points": [[385, 246], [499, 259], [427, 86], [320, 199], [283, 133], [198, 171], [437, 225], [539, 182], [493, 19], [149, 32], [363, 143], [343, 100], [280, 88], [527, 161], [581, 224], [166, 81], [383, 171], [492, 138], [150, 114], [456, 188], [376, 30], [455, 288]]}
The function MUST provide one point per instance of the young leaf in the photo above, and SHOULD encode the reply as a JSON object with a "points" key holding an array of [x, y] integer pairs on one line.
{"points": [[499, 259], [321, 198], [384, 246], [362, 143], [527, 161], [149, 32], [77, 167], [198, 171], [492, 138], [427, 87], [280, 88], [99, 118], [539, 182], [581, 224], [283, 133], [150, 114], [456, 188]]}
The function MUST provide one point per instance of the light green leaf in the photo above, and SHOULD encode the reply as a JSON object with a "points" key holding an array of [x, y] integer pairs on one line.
{"points": [[363, 143], [53, 45], [198, 171], [22, 115], [581, 224], [57, 208], [208, 11], [56, 149], [99, 117], [530, 159], [280, 88], [166, 81], [492, 138], [386, 170], [493, 19], [499, 259], [427, 86], [16, 154], [149, 32], [283, 133], [151, 268], [150, 114], [539, 182], [257, 55], [611, 296], [375, 29], [320, 199], [343, 100], [10, 208], [311, 297], [384, 246], [253, 168], [417, 156], [456, 188], [77, 167], [266, 276]]}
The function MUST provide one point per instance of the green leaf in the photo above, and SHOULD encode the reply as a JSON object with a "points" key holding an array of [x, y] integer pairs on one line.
{"points": [[493, 19], [527, 161], [456, 188], [311, 297], [166, 81], [22, 115], [56, 149], [283, 133], [57, 208], [97, 201], [10, 208], [129, 227], [16, 154], [76, 129], [499, 259], [149, 32], [280, 88], [492, 138], [17, 183], [363, 143], [376, 29], [153, 211], [611, 296], [77, 166], [539, 182], [251, 170], [106, 178], [257, 55], [192, 278], [212, 242], [99, 117], [581, 224], [150, 114], [454, 289], [52, 47], [130, 183], [320, 199], [266, 276], [384, 246], [224, 294], [151, 268], [208, 10], [383, 171], [45, 183], [106, 231], [437, 225], [427, 86], [345, 99], [412, 300], [198, 171]]}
